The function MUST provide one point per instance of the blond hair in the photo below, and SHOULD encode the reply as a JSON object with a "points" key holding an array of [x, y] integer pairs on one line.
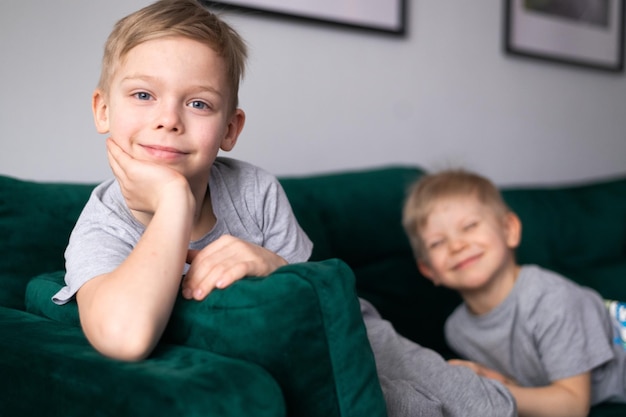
{"points": [[431, 188], [187, 18]]}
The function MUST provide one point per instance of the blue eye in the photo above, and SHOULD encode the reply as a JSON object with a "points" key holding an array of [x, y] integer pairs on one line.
{"points": [[142, 95], [200, 105]]}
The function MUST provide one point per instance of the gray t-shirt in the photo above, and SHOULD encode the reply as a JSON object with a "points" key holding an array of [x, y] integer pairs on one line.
{"points": [[248, 202], [548, 328]]}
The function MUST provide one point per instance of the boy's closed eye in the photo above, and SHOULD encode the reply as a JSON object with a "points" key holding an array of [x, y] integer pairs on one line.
{"points": [[470, 225], [434, 244]]}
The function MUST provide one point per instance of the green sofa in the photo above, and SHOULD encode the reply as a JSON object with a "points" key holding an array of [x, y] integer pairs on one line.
{"points": [[291, 344]]}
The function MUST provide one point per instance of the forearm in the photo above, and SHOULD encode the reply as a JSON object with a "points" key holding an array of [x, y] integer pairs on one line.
{"points": [[549, 401], [124, 313]]}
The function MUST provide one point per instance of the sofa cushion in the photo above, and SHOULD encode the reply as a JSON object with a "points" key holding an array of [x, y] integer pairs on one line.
{"points": [[35, 223], [571, 227], [416, 308], [354, 216], [302, 324], [49, 369]]}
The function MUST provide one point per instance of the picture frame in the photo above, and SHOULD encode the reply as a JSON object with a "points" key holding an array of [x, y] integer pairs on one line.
{"points": [[584, 33], [382, 16]]}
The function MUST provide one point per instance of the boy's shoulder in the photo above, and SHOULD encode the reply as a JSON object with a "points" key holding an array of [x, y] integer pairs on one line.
{"points": [[543, 289], [223, 162], [237, 173], [536, 279], [106, 197], [231, 166]]}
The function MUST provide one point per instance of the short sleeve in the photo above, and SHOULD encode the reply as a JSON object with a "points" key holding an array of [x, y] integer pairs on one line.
{"points": [[103, 237], [571, 332], [252, 205]]}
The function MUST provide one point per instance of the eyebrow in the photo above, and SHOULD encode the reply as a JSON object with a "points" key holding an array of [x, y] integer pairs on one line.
{"points": [[148, 78]]}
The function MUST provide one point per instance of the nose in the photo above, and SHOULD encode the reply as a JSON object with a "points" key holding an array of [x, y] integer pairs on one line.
{"points": [[456, 243], [168, 117]]}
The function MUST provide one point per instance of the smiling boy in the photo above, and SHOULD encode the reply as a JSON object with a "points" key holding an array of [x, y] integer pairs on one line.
{"points": [[168, 99], [548, 340]]}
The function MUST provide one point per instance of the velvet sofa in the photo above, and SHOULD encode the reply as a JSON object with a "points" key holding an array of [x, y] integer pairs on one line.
{"points": [[291, 344]]}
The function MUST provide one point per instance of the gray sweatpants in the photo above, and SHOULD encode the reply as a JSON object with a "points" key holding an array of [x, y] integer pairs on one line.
{"points": [[417, 381]]}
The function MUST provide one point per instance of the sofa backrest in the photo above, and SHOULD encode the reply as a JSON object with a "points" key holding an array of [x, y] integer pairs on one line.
{"points": [[577, 230], [35, 223]]}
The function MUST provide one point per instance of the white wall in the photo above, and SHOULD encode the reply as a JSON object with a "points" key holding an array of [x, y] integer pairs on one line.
{"points": [[321, 99]]}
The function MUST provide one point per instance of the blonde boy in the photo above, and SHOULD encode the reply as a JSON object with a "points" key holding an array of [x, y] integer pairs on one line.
{"points": [[167, 98], [547, 339]]}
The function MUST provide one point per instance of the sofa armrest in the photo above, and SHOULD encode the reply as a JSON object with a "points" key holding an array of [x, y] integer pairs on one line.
{"points": [[49, 369], [302, 324]]}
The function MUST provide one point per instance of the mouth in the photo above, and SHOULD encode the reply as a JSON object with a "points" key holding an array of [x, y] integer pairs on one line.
{"points": [[466, 262], [163, 152]]}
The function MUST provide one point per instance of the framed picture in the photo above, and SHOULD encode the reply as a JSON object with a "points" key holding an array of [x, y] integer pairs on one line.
{"points": [[588, 33], [386, 16]]}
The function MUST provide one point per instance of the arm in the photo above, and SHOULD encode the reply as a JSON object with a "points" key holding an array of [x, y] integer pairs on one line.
{"points": [[123, 313], [567, 397]]}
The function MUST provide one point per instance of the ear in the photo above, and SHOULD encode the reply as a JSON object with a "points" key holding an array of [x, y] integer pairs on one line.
{"points": [[233, 129], [513, 230], [427, 272], [100, 111]]}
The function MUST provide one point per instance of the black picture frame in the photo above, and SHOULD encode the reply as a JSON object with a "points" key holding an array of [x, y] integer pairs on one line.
{"points": [[558, 32], [380, 16]]}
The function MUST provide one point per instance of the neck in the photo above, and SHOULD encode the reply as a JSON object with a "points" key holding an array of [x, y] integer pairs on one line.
{"points": [[488, 297], [204, 218]]}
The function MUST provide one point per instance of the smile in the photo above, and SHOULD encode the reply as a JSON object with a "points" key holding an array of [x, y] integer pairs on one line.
{"points": [[467, 262], [163, 152]]}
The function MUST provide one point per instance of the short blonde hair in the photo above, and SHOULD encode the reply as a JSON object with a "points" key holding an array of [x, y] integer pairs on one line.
{"points": [[430, 188], [187, 18]]}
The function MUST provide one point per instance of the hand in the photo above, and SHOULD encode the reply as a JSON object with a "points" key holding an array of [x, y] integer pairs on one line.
{"points": [[483, 371], [143, 183], [225, 261]]}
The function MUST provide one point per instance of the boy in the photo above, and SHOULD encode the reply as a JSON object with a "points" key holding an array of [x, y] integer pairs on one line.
{"points": [[168, 97], [547, 339]]}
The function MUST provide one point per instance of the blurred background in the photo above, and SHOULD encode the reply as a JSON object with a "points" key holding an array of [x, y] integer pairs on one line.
{"points": [[322, 98]]}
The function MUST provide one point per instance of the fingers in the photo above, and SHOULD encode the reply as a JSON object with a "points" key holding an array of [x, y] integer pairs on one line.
{"points": [[460, 362], [191, 255], [113, 153], [116, 152], [473, 366], [225, 261], [144, 183], [119, 160]]}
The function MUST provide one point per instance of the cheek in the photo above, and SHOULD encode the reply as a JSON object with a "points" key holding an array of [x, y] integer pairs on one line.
{"points": [[437, 260], [208, 137], [124, 127]]}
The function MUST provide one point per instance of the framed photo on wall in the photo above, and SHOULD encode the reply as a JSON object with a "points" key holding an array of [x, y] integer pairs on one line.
{"points": [[388, 16], [588, 33]]}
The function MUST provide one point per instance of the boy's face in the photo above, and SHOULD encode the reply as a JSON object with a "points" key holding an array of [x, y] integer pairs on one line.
{"points": [[468, 245], [168, 103]]}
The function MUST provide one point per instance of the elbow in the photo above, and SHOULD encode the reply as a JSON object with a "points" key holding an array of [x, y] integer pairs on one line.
{"points": [[121, 342]]}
